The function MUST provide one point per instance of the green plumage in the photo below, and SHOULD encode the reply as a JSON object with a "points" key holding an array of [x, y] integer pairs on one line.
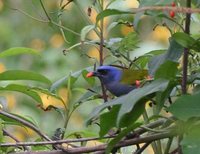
{"points": [[130, 76]]}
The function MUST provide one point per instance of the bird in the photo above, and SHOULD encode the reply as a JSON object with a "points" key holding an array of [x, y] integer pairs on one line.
{"points": [[118, 81]]}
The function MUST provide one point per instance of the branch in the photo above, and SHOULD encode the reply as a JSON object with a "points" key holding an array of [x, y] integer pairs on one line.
{"points": [[137, 132], [102, 147], [47, 21], [41, 3], [186, 51], [6, 133], [167, 8], [25, 123]]}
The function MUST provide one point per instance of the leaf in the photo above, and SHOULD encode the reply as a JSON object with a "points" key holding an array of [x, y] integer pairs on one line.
{"points": [[91, 81], [191, 141], [129, 42], [161, 97], [58, 83], [108, 120], [49, 99], [129, 100], [23, 75], [134, 114], [173, 53], [109, 12], [17, 51], [183, 39], [167, 70], [22, 89], [11, 121], [73, 77], [90, 95], [186, 106], [85, 31], [111, 26], [122, 134], [143, 60]]}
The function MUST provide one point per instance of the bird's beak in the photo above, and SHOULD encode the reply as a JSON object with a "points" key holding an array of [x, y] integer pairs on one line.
{"points": [[91, 74]]}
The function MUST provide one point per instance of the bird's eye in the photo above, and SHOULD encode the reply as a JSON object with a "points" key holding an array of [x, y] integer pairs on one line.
{"points": [[103, 72]]}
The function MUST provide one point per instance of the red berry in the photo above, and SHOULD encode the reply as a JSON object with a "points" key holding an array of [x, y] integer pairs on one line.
{"points": [[173, 4], [172, 14]]}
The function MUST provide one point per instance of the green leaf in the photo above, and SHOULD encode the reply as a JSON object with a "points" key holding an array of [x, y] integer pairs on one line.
{"points": [[108, 120], [183, 39], [191, 141], [132, 116], [161, 97], [143, 60], [186, 106], [167, 70], [17, 51], [85, 31], [122, 134], [173, 53], [11, 121], [128, 101], [57, 84], [91, 81], [129, 42], [22, 89], [90, 95], [109, 12], [111, 26], [73, 77], [23, 75]]}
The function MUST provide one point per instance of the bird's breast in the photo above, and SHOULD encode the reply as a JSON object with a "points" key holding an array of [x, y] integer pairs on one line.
{"points": [[119, 89]]}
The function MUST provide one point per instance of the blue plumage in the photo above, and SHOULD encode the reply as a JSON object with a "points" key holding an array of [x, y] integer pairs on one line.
{"points": [[111, 77]]}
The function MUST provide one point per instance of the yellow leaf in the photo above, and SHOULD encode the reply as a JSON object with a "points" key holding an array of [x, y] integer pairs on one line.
{"points": [[50, 101]]}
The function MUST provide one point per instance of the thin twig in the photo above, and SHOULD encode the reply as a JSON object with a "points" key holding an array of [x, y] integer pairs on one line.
{"points": [[47, 21], [28, 15], [25, 123], [139, 151], [6, 133], [41, 3]]}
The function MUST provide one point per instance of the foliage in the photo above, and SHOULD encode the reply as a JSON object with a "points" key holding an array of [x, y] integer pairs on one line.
{"points": [[122, 121]]}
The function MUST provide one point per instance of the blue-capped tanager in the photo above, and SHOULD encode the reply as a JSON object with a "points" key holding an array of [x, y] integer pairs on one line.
{"points": [[118, 81]]}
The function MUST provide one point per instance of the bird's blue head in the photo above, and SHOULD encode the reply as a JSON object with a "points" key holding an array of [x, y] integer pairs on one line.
{"points": [[107, 74]]}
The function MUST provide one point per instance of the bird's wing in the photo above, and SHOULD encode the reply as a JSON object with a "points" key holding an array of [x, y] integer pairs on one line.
{"points": [[130, 76]]}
